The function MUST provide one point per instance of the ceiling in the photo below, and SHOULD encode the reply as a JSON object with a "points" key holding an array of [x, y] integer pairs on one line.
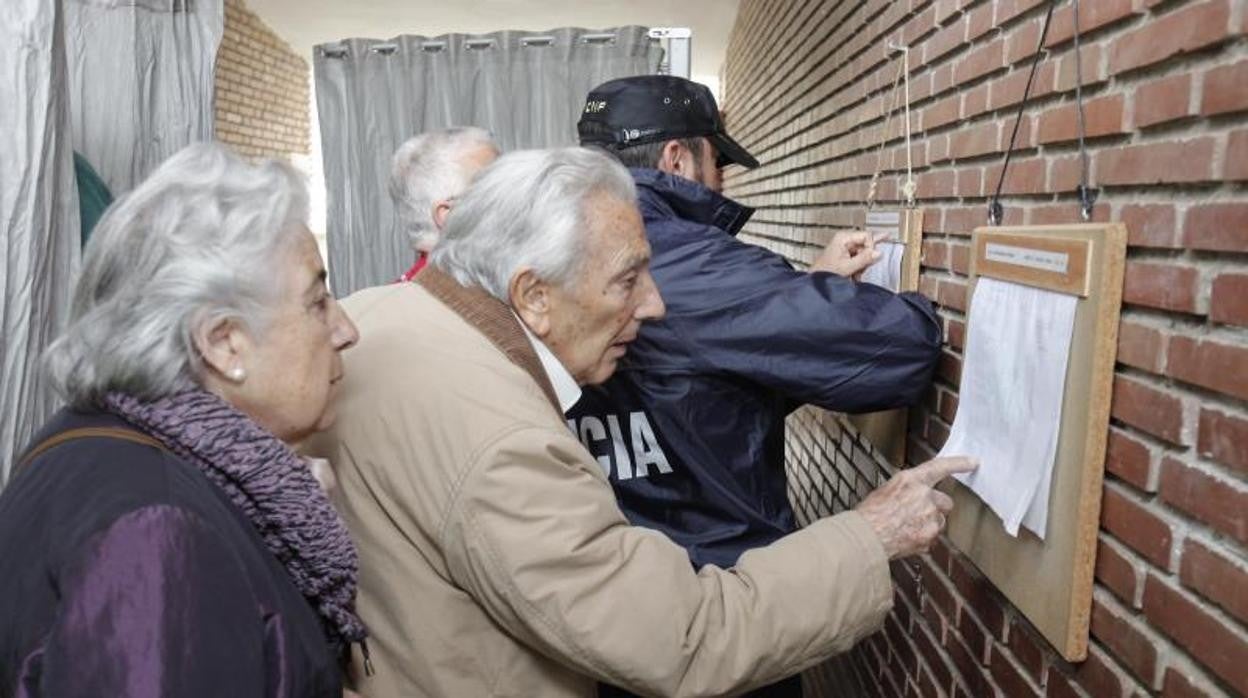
{"points": [[305, 23]]}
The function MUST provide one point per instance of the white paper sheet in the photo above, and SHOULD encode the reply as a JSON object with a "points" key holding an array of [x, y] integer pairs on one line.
{"points": [[1010, 401], [886, 271]]}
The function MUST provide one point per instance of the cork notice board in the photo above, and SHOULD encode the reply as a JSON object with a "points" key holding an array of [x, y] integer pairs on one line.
{"points": [[887, 430], [1050, 580]]}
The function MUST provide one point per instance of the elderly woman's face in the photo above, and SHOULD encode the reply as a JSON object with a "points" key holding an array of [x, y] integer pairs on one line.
{"points": [[291, 369]]}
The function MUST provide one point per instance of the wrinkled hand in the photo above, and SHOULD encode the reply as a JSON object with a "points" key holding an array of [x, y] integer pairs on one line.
{"points": [[907, 513], [848, 254]]}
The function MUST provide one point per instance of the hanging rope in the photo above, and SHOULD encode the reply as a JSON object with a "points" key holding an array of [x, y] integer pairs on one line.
{"points": [[907, 187], [1087, 195], [879, 152], [995, 210]]}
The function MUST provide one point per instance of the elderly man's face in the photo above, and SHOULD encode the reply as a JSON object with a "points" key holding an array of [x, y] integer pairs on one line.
{"points": [[596, 317]]}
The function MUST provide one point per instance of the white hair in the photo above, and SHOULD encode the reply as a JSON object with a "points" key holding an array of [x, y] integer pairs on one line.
{"points": [[194, 243], [528, 209], [427, 169]]}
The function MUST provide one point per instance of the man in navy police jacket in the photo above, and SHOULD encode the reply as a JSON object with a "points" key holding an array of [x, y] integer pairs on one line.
{"points": [[691, 427]]}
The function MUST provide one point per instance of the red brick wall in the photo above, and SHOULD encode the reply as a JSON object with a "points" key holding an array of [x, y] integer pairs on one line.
{"points": [[1166, 87]]}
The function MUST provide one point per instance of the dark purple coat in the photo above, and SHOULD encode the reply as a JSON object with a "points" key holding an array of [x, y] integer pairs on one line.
{"points": [[128, 573]]}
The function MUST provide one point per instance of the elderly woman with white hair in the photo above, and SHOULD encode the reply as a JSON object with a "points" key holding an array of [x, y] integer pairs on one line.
{"points": [[160, 536]]}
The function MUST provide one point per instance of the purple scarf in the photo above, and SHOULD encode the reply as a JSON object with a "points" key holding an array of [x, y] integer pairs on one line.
{"points": [[272, 486]]}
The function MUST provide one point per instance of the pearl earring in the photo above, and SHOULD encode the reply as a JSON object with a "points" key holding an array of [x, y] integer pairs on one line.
{"points": [[237, 374]]}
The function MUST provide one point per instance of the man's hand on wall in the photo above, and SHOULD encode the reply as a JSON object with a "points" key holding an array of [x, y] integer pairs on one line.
{"points": [[907, 513], [848, 254]]}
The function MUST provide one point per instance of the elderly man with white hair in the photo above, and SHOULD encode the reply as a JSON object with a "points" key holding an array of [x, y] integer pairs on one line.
{"points": [[426, 174], [494, 559]]}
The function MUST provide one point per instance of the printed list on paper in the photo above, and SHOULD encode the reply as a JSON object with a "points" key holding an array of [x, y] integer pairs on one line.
{"points": [[1010, 402], [886, 271]]}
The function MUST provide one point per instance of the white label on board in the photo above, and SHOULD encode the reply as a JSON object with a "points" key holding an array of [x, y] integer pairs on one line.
{"points": [[1026, 257], [884, 222]]}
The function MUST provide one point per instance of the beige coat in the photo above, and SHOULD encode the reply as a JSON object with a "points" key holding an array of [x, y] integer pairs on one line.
{"points": [[494, 560]]}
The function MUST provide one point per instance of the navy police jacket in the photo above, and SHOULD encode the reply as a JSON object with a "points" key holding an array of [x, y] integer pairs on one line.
{"points": [[690, 429]]}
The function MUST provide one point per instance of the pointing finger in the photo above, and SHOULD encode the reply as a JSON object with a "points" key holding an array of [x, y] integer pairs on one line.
{"points": [[938, 469]]}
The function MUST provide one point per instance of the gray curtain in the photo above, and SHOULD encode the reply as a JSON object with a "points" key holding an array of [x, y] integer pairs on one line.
{"points": [[38, 212], [141, 80], [124, 82], [526, 87]]}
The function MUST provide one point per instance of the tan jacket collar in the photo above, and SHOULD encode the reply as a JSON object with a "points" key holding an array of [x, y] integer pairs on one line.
{"points": [[492, 318]]}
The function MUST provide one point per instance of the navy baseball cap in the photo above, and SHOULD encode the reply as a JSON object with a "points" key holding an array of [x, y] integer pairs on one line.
{"points": [[652, 108]]}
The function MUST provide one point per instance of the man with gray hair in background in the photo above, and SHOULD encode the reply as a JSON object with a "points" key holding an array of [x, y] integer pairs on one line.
{"points": [[494, 559], [427, 173]]}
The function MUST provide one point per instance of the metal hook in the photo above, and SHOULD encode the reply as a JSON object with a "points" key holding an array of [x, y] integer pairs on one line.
{"points": [[1087, 201]]}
